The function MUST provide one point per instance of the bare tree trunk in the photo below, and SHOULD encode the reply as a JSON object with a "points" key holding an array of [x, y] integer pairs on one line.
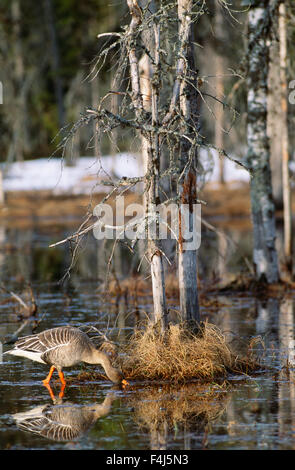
{"points": [[284, 135], [262, 206], [187, 189], [145, 70], [153, 166], [154, 153]]}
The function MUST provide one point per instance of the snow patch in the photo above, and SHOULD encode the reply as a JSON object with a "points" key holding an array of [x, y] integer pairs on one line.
{"points": [[85, 176], [89, 172], [232, 171]]}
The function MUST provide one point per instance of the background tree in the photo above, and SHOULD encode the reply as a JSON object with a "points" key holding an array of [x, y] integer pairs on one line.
{"points": [[263, 211]]}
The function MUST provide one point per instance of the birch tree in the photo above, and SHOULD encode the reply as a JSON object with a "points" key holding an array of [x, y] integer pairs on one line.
{"points": [[263, 213]]}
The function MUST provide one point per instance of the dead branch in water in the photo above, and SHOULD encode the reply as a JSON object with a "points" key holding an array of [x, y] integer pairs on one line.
{"points": [[30, 310]]}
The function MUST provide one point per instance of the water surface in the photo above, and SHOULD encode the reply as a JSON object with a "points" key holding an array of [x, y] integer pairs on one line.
{"points": [[255, 412]]}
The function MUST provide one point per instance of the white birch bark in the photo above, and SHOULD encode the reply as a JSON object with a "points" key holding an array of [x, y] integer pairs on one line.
{"points": [[262, 206]]}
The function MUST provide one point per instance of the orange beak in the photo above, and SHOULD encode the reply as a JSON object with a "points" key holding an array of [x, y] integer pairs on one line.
{"points": [[124, 383]]}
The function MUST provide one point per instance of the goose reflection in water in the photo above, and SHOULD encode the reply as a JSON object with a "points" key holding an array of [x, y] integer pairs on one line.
{"points": [[62, 422]]}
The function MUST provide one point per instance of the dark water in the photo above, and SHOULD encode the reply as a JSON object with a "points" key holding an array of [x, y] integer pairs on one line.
{"points": [[251, 413]]}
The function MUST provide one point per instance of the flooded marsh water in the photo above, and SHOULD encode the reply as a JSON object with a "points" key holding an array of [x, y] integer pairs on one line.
{"points": [[248, 412]]}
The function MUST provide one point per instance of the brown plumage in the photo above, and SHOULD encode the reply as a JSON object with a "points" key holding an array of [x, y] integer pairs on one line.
{"points": [[61, 347]]}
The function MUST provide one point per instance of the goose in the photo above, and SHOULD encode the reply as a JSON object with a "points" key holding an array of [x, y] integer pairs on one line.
{"points": [[64, 346], [63, 422]]}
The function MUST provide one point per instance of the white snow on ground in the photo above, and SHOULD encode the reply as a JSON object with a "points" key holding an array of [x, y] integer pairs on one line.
{"points": [[53, 174], [232, 171], [44, 174]]}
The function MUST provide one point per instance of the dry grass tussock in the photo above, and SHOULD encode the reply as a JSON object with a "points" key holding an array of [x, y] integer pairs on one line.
{"points": [[181, 355]]}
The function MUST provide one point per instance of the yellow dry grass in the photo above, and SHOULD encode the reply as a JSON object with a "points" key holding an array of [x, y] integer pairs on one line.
{"points": [[180, 355]]}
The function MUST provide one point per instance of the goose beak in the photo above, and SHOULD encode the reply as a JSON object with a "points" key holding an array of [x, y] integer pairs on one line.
{"points": [[124, 383]]}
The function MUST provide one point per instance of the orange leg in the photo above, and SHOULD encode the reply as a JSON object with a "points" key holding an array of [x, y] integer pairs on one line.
{"points": [[47, 380], [50, 391], [61, 377], [61, 393]]}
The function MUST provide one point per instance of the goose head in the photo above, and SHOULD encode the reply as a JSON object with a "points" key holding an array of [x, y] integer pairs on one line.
{"points": [[99, 357]]}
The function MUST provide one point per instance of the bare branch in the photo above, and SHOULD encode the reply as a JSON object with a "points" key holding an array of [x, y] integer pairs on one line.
{"points": [[102, 35]]}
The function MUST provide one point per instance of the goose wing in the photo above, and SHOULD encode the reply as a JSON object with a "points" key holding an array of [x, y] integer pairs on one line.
{"points": [[49, 429], [30, 343], [47, 340]]}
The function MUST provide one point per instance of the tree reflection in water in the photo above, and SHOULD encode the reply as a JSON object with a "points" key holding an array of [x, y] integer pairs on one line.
{"points": [[165, 411]]}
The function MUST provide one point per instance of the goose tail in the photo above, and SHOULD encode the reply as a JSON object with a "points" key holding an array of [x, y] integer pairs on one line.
{"points": [[34, 356]]}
